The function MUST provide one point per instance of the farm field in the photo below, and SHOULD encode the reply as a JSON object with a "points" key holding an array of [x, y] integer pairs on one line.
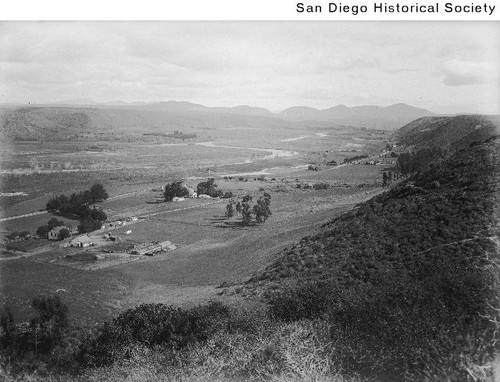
{"points": [[99, 281]]}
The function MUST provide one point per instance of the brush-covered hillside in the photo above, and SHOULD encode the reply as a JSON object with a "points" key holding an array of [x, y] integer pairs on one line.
{"points": [[447, 132], [409, 279], [440, 212]]}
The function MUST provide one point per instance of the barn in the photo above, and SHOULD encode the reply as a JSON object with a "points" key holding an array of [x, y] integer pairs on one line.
{"points": [[81, 241]]}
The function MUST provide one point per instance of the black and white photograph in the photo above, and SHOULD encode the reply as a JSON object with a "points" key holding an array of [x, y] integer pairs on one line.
{"points": [[250, 201]]}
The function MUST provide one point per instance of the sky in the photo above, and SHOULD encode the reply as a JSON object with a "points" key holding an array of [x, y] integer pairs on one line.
{"points": [[446, 67]]}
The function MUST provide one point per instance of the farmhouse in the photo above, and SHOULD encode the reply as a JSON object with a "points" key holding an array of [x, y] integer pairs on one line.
{"points": [[81, 241], [191, 192], [55, 233]]}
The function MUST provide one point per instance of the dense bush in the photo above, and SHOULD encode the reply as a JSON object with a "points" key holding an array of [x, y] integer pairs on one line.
{"points": [[354, 158], [45, 332], [150, 325], [209, 188], [397, 327], [321, 186], [420, 160]]}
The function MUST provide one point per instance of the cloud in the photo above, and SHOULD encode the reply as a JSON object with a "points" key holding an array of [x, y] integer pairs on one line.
{"points": [[268, 64], [400, 70], [348, 64], [463, 73]]}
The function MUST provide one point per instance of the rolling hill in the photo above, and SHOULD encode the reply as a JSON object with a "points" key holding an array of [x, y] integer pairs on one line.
{"points": [[85, 118], [62, 123]]}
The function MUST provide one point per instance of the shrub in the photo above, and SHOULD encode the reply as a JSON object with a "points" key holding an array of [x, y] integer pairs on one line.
{"points": [[13, 235], [321, 186], [50, 324], [24, 234]]}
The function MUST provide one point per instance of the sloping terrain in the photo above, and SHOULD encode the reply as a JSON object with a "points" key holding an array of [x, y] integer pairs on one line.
{"points": [[409, 280], [63, 123], [447, 211], [67, 121], [447, 132]]}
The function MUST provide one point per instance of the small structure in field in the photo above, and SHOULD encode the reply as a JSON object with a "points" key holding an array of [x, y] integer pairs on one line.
{"points": [[55, 233], [111, 237], [152, 249], [81, 241], [204, 196], [178, 199]]}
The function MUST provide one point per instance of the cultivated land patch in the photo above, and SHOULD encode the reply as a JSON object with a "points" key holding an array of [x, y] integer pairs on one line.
{"points": [[99, 281]]}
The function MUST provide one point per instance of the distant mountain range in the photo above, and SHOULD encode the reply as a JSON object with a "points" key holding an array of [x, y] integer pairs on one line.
{"points": [[388, 118]]}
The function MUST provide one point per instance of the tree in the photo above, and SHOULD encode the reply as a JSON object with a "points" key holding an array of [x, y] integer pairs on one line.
{"points": [[246, 212], [8, 325], [98, 193], [88, 225], [175, 189], [64, 233], [43, 231], [209, 188], [229, 210], [262, 210], [53, 222], [98, 214], [238, 208]]}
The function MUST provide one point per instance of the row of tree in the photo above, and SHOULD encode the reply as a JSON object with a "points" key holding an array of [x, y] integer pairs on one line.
{"points": [[259, 212], [78, 204], [180, 190]]}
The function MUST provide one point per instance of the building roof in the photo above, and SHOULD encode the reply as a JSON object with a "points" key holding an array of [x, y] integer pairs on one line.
{"points": [[81, 239], [58, 229]]}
